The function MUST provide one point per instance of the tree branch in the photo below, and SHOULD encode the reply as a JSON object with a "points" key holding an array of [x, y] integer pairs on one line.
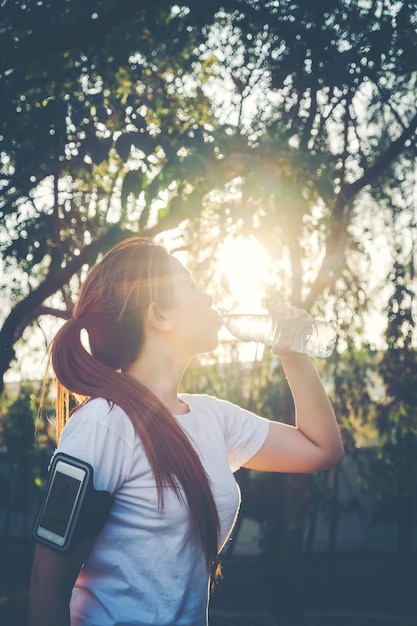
{"points": [[26, 310], [23, 312], [334, 259]]}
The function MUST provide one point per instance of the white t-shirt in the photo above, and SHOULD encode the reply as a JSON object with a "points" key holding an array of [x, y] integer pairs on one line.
{"points": [[147, 568]]}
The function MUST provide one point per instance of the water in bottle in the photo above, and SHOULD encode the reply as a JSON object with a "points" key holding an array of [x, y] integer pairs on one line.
{"points": [[306, 335]]}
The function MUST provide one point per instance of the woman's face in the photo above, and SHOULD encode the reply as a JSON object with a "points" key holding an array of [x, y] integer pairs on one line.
{"points": [[194, 322]]}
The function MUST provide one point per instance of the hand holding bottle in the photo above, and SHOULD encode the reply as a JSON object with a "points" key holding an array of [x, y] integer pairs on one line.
{"points": [[287, 319]]}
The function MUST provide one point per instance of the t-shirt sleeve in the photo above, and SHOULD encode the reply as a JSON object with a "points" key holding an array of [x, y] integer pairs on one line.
{"points": [[244, 432], [102, 435]]}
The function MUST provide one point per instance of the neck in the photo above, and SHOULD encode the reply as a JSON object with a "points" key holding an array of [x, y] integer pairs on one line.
{"points": [[161, 375]]}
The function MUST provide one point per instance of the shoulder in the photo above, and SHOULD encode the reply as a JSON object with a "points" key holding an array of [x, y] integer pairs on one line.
{"points": [[224, 411], [243, 431], [209, 405], [201, 400], [101, 434], [100, 414], [197, 400]]}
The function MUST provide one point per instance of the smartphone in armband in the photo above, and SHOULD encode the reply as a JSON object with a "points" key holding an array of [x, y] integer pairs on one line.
{"points": [[71, 507]]}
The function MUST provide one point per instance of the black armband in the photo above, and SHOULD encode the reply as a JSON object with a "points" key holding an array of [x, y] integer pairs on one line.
{"points": [[71, 508]]}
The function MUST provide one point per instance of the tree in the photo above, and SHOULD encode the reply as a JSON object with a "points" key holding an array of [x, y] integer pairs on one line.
{"points": [[319, 167], [327, 113], [100, 145], [396, 464], [293, 121], [25, 468], [127, 133]]}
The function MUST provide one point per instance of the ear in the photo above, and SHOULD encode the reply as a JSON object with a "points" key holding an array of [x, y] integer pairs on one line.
{"points": [[157, 318]]}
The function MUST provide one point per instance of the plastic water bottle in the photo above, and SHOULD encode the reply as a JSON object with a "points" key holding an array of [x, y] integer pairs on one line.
{"points": [[306, 335]]}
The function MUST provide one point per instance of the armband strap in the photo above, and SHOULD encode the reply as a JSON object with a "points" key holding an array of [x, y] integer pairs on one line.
{"points": [[71, 508], [94, 512]]}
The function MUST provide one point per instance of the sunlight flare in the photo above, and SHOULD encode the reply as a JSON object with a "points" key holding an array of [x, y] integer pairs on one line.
{"points": [[247, 268]]}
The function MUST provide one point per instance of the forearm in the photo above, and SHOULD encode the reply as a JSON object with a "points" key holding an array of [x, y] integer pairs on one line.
{"points": [[48, 609], [52, 579], [315, 417], [314, 443]]}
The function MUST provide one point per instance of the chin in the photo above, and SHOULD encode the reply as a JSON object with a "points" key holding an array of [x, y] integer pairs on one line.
{"points": [[215, 345], [210, 346]]}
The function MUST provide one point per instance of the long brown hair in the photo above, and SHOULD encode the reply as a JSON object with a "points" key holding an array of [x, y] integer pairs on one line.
{"points": [[111, 306]]}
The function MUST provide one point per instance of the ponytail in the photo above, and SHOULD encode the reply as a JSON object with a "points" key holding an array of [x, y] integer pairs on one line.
{"points": [[115, 335]]}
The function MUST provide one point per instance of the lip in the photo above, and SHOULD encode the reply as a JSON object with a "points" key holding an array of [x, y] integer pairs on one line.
{"points": [[218, 318]]}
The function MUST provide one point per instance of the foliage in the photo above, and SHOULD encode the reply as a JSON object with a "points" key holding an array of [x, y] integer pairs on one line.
{"points": [[395, 470], [272, 117], [25, 465], [319, 155], [292, 121], [112, 137]]}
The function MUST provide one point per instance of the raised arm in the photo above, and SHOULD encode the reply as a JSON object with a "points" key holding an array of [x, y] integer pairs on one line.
{"points": [[314, 443]]}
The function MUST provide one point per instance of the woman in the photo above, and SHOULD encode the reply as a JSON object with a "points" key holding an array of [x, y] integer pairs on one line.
{"points": [[168, 459]]}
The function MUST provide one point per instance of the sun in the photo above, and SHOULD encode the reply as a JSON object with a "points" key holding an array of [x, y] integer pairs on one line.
{"points": [[247, 267]]}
